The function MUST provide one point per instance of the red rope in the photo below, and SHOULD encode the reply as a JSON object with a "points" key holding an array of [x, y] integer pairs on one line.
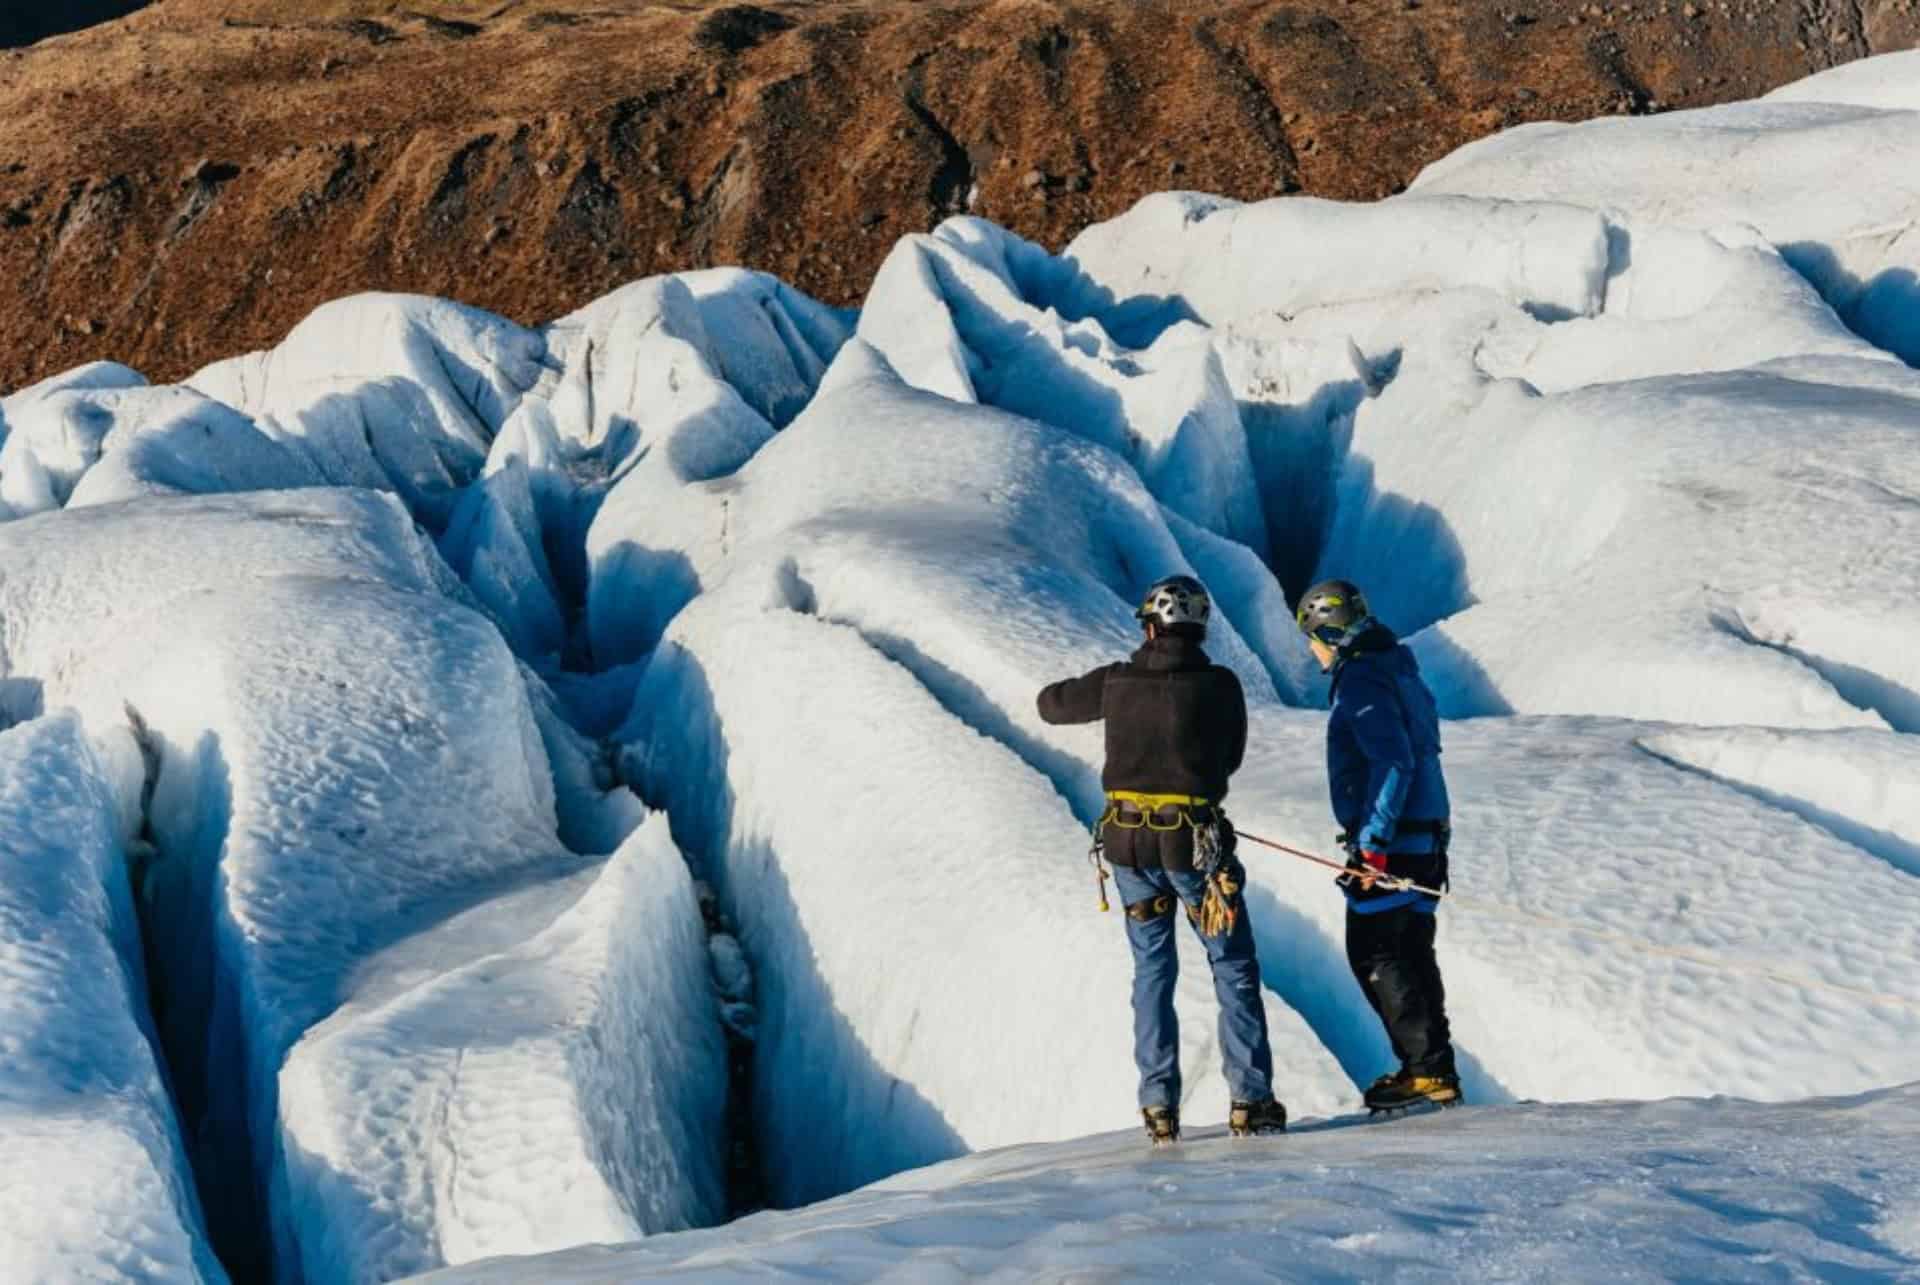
{"points": [[1702, 958], [1388, 882]]}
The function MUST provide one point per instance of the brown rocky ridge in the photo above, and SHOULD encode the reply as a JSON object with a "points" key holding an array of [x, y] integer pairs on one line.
{"points": [[189, 181]]}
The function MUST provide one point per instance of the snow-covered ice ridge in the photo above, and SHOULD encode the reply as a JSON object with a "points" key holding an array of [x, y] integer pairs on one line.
{"points": [[339, 941]]}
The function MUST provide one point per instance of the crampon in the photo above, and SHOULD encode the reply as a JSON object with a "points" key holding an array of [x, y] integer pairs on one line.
{"points": [[1247, 1119]]}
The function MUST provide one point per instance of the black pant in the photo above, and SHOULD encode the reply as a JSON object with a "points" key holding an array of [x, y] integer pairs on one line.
{"points": [[1392, 958]]}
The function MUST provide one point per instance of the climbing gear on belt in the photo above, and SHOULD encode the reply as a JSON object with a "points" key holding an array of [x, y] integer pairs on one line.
{"points": [[1095, 854], [1137, 810], [1210, 842], [1213, 857], [1219, 907], [1212, 848]]}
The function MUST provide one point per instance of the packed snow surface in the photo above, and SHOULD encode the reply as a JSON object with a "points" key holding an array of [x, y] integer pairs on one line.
{"points": [[1891, 81], [340, 679], [1828, 170], [1671, 1190], [585, 1107]]}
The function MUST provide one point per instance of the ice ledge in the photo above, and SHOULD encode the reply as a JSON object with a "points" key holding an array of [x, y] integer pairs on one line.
{"points": [[1704, 1189]]}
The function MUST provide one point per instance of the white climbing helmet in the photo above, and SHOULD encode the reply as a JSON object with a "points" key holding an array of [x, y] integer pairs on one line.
{"points": [[1176, 600]]}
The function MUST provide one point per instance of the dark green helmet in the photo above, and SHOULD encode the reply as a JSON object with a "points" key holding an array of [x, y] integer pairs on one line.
{"points": [[1176, 600], [1332, 612]]}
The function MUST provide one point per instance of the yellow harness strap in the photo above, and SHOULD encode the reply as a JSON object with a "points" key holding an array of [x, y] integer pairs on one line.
{"points": [[1149, 807], [1218, 909], [1154, 802]]}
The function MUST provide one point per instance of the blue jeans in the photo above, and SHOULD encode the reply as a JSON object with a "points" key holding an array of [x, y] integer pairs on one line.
{"points": [[1246, 1056]]}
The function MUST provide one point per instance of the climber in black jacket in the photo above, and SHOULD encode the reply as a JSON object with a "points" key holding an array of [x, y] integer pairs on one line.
{"points": [[1176, 729]]}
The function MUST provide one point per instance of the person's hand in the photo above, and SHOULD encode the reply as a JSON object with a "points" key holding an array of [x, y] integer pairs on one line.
{"points": [[1364, 865], [1375, 866]]}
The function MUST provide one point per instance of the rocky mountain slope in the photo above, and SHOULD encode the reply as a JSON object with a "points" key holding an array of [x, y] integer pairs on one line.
{"points": [[190, 180]]}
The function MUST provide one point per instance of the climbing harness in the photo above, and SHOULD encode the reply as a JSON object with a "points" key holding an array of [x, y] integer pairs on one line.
{"points": [[1134, 810], [1702, 958], [1212, 848]]}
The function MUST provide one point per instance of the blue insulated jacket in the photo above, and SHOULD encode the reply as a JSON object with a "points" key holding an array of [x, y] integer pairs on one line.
{"points": [[1383, 760]]}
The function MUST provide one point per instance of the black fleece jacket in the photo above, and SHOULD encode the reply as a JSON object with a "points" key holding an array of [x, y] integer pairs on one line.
{"points": [[1176, 722]]}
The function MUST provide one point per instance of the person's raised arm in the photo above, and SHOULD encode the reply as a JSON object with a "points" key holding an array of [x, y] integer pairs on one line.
{"points": [[1076, 700]]}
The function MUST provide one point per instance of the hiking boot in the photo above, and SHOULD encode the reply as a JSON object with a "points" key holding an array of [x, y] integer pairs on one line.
{"points": [[1245, 1119], [1406, 1089], [1163, 1124], [1384, 1084]]}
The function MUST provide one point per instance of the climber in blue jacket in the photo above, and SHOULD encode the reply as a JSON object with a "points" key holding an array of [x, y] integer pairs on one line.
{"points": [[1390, 799]]}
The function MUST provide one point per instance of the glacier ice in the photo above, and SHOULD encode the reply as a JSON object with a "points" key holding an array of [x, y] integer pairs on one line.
{"points": [[95, 1179], [365, 638]]}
